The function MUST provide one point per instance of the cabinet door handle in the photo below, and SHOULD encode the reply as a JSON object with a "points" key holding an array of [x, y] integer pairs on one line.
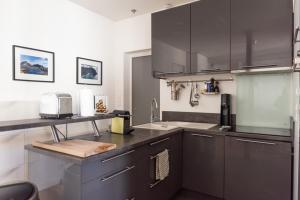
{"points": [[200, 135], [255, 141], [258, 66], [155, 156], [160, 141], [211, 70], [118, 156], [152, 185], [296, 35], [118, 173]]}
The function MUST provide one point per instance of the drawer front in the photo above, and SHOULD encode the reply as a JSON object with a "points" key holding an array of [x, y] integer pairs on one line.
{"points": [[119, 185], [114, 163]]}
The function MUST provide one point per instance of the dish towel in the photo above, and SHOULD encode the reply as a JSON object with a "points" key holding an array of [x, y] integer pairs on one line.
{"points": [[162, 165]]}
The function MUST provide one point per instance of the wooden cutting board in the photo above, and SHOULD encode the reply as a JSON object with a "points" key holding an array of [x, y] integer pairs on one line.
{"points": [[79, 148]]}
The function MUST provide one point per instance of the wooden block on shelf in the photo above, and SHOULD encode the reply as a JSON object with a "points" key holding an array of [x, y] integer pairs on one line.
{"points": [[79, 148]]}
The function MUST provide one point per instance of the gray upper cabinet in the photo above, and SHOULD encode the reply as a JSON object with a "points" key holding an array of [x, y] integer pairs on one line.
{"points": [[210, 36], [261, 33], [219, 36], [257, 169], [171, 41]]}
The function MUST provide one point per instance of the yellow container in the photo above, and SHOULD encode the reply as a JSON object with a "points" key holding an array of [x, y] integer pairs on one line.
{"points": [[117, 125]]}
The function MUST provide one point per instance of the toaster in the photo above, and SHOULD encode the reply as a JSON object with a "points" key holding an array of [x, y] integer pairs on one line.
{"points": [[56, 105]]}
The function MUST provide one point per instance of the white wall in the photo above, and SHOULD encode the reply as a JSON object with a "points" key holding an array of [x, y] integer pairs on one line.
{"points": [[66, 29], [131, 35], [59, 26]]}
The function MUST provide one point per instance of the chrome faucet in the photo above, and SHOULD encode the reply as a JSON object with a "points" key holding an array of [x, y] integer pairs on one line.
{"points": [[153, 105]]}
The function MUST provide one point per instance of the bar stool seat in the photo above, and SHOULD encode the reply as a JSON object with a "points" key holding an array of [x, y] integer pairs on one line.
{"points": [[19, 191]]}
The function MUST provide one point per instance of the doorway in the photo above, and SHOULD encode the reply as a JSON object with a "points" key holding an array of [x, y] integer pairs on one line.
{"points": [[144, 89]]}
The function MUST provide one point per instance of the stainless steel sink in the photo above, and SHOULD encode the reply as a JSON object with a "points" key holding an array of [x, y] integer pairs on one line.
{"points": [[175, 124], [156, 126], [193, 125]]}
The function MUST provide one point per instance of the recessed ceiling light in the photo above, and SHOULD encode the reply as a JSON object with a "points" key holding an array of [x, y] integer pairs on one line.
{"points": [[133, 11]]}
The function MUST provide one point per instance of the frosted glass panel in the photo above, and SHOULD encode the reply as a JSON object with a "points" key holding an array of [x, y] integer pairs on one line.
{"points": [[264, 100]]}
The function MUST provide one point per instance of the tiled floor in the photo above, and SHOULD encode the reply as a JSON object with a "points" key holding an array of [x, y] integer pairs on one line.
{"points": [[189, 195]]}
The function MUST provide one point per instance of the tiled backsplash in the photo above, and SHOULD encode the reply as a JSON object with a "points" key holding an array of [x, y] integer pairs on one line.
{"points": [[213, 118], [264, 100]]}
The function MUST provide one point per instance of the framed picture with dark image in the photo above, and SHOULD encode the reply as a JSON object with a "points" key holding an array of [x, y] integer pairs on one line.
{"points": [[89, 72], [33, 64]]}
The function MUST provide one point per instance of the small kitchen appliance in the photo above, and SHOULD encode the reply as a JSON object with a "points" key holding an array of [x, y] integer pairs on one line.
{"points": [[121, 123], [56, 105], [225, 118]]}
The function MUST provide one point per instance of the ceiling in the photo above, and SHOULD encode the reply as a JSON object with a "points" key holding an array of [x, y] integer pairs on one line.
{"points": [[121, 9]]}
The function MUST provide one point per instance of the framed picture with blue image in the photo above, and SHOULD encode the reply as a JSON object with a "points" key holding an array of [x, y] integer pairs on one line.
{"points": [[89, 72], [31, 64]]}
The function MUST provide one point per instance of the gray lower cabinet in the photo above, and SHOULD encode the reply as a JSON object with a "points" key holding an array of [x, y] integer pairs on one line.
{"points": [[120, 177], [130, 175], [166, 189], [203, 163], [119, 185], [251, 169], [257, 169]]}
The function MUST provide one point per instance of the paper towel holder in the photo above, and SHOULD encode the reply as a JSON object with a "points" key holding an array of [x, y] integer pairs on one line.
{"points": [[86, 103]]}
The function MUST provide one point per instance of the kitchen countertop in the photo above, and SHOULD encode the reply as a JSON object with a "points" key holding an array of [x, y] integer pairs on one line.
{"points": [[254, 133], [141, 137], [137, 138], [275, 134]]}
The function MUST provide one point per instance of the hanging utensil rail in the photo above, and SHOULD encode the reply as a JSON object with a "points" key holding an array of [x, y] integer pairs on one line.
{"points": [[197, 81]]}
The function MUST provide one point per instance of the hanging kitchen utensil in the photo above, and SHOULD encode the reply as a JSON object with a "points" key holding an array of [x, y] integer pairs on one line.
{"points": [[197, 95], [193, 102], [175, 90]]}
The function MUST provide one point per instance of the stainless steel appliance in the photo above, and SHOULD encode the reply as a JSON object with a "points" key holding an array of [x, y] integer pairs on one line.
{"points": [[225, 118], [56, 105]]}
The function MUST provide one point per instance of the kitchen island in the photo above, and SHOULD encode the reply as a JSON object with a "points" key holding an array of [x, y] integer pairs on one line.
{"points": [[122, 173]]}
